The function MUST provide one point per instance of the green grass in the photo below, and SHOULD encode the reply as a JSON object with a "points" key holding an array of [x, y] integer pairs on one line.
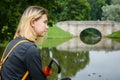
{"points": [[115, 36], [56, 32], [55, 37], [53, 42]]}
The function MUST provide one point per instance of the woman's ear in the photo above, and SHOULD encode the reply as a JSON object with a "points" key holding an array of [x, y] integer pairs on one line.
{"points": [[32, 22]]}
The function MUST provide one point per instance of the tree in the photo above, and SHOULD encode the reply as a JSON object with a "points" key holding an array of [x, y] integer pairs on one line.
{"points": [[112, 12], [10, 14], [72, 10], [78, 10], [58, 10], [11, 11], [114, 2], [108, 2], [96, 11]]}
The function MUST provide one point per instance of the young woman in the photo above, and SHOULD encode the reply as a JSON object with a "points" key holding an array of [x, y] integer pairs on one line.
{"points": [[26, 56]]}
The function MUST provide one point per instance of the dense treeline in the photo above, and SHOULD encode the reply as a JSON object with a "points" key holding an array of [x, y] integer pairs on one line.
{"points": [[58, 10]]}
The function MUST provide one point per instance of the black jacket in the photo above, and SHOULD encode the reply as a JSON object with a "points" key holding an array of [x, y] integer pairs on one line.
{"points": [[25, 56]]}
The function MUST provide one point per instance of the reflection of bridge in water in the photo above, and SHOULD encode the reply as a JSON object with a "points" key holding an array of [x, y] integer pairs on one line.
{"points": [[76, 44], [76, 27]]}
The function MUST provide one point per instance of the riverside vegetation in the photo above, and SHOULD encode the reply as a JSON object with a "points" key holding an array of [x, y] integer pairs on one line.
{"points": [[55, 33]]}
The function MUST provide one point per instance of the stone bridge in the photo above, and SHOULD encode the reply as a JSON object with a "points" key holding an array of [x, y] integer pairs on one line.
{"points": [[76, 27]]}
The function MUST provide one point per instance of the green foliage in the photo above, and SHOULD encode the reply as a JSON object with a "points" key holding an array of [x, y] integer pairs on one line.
{"points": [[11, 11], [72, 10], [96, 11], [79, 10], [108, 2], [112, 12], [56, 32], [58, 10], [115, 2]]}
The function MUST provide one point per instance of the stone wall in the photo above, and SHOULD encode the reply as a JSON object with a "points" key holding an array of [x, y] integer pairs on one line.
{"points": [[76, 27]]}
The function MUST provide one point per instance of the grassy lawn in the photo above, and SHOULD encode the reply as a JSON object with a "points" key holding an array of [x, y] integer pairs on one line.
{"points": [[55, 32], [55, 37], [115, 36], [53, 42]]}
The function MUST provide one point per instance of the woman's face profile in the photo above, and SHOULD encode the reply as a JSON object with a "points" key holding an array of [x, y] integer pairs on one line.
{"points": [[40, 26]]}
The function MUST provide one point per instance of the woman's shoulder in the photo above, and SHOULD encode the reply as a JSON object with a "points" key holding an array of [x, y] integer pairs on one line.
{"points": [[23, 45], [25, 41], [28, 44]]}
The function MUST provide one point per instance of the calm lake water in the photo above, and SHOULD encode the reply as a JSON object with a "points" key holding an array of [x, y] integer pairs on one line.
{"points": [[80, 61], [103, 65]]}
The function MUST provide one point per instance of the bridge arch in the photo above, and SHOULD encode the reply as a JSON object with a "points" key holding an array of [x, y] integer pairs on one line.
{"points": [[90, 36], [76, 27]]}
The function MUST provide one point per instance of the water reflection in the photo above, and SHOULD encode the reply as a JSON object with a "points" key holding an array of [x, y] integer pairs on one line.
{"points": [[87, 62], [103, 66], [76, 44], [80, 61], [71, 62]]}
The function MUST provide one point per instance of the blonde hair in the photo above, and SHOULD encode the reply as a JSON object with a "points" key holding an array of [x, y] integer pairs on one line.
{"points": [[24, 28]]}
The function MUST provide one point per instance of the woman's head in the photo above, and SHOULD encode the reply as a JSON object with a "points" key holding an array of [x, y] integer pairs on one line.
{"points": [[33, 23]]}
